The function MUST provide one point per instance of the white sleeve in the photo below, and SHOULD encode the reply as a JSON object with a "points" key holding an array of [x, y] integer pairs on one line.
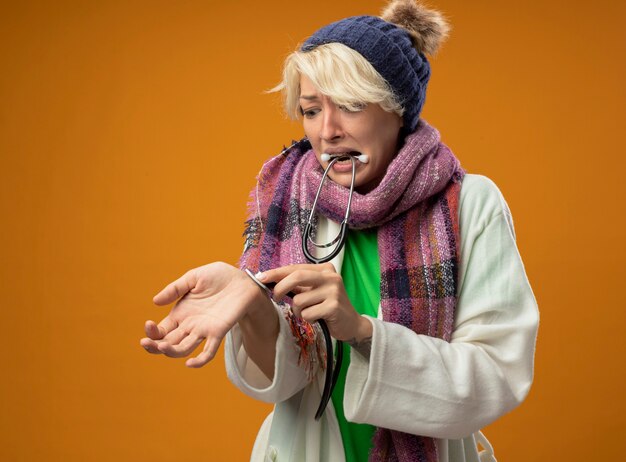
{"points": [[289, 376], [427, 386]]}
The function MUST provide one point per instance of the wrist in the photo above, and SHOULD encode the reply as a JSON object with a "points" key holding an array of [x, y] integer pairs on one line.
{"points": [[260, 300], [362, 342], [364, 330], [258, 282]]}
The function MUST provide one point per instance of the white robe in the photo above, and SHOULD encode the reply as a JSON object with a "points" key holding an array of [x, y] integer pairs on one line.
{"points": [[414, 383]]}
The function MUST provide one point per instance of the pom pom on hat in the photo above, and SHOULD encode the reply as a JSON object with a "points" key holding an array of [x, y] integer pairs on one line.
{"points": [[427, 28]]}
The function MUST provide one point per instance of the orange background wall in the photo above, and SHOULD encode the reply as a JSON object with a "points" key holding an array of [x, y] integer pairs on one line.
{"points": [[130, 135]]}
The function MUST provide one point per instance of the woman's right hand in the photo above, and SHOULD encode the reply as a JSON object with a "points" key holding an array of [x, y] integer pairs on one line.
{"points": [[211, 300]]}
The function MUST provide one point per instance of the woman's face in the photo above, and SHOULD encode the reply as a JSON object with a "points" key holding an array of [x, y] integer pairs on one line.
{"points": [[334, 129]]}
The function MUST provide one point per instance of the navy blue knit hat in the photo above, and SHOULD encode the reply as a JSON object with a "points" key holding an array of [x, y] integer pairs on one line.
{"points": [[394, 46]]}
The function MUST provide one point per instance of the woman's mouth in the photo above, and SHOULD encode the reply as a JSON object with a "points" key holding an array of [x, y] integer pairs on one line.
{"points": [[342, 161]]}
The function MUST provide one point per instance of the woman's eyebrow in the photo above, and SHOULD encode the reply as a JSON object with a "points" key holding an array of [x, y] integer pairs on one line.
{"points": [[309, 97]]}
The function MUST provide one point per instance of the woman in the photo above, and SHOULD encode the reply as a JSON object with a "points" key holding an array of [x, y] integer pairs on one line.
{"points": [[429, 290]]}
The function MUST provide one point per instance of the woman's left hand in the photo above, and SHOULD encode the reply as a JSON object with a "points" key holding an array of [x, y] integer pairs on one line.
{"points": [[320, 294]]}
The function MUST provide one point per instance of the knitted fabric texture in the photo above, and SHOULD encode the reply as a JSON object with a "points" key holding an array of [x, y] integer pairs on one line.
{"points": [[389, 49], [415, 208]]}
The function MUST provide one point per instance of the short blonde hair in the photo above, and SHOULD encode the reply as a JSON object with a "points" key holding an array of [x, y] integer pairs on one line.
{"points": [[340, 73]]}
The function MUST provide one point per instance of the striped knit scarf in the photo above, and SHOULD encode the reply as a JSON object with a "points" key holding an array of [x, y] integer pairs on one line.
{"points": [[415, 208]]}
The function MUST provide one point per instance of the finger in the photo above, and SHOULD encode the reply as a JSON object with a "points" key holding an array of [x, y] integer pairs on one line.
{"points": [[326, 309], [306, 300], [158, 331], [176, 336], [184, 348], [149, 345], [210, 349], [175, 290], [277, 274], [299, 278], [314, 313], [301, 289]]}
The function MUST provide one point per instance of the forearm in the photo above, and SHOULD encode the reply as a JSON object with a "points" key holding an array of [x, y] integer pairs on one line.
{"points": [[259, 329], [288, 373], [427, 386]]}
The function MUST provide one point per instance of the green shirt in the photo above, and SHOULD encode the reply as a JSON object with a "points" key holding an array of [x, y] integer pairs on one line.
{"points": [[361, 277]]}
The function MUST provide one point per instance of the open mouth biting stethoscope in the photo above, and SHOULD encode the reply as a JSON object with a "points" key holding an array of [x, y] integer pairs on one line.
{"points": [[336, 244]]}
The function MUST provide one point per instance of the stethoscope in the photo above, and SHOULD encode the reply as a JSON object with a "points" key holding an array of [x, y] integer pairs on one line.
{"points": [[337, 243]]}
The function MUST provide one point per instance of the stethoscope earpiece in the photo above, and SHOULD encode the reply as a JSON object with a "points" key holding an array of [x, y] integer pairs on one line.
{"points": [[363, 158]]}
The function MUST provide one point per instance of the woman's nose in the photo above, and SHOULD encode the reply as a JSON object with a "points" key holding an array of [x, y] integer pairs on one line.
{"points": [[331, 125]]}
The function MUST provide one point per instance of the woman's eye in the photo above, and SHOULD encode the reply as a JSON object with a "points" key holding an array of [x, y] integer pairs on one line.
{"points": [[308, 113], [356, 107]]}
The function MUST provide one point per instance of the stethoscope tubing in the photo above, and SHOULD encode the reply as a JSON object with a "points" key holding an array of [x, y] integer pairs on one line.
{"points": [[332, 370]]}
